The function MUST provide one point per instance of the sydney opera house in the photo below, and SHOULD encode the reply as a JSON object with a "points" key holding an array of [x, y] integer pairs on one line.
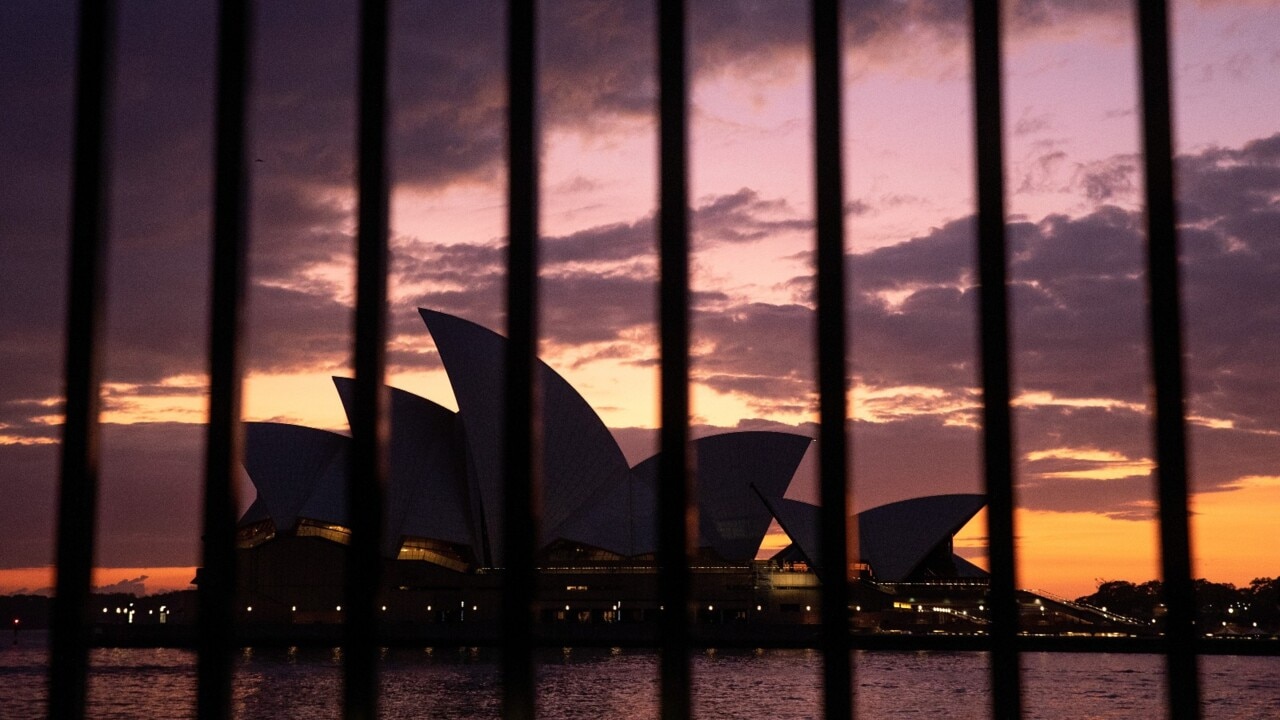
{"points": [[443, 536]]}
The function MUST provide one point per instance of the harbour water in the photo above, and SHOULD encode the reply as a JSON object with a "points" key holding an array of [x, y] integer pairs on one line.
{"points": [[603, 683]]}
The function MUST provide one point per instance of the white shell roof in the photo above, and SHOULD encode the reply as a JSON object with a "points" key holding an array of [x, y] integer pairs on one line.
{"points": [[295, 470], [445, 468], [427, 483], [579, 453], [894, 539], [732, 520]]}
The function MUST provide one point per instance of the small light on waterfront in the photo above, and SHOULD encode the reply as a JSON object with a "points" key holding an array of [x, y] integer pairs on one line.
{"points": [[339, 608]]}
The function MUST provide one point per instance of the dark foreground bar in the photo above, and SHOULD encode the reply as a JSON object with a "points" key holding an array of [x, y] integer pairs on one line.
{"points": [[997, 423], [521, 456], [225, 437], [677, 515], [78, 486], [1164, 301], [833, 384], [516, 634], [366, 476]]}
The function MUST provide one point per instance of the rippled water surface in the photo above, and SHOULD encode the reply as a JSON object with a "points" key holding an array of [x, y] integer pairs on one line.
{"points": [[598, 684]]}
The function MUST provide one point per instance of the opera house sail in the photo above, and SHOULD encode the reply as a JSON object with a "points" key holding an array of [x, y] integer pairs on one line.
{"points": [[443, 535]]}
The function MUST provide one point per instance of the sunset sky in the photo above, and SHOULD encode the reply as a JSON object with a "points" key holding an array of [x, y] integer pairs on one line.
{"points": [[1086, 498]]}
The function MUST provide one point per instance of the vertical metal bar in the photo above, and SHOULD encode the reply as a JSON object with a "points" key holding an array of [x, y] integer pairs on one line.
{"points": [[677, 512], [224, 435], [1166, 358], [366, 478], [832, 368], [1006, 684], [522, 459], [78, 488]]}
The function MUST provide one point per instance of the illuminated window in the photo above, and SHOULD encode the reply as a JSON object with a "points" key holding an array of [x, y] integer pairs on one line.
{"points": [[436, 552], [255, 534], [326, 531]]}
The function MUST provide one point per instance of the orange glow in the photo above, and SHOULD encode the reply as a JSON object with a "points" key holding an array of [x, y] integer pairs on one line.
{"points": [[186, 401], [1233, 532], [25, 580], [887, 404], [41, 579], [774, 541], [1097, 464], [1035, 399], [303, 398], [1070, 552]]}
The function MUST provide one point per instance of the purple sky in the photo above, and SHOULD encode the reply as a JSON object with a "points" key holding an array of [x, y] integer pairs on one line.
{"points": [[1076, 249]]}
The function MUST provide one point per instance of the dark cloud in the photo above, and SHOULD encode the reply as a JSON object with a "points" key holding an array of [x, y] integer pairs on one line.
{"points": [[744, 216], [289, 330], [598, 285], [149, 498], [1128, 498], [759, 350], [1111, 180], [614, 243], [447, 88], [1077, 299], [36, 41], [128, 586]]}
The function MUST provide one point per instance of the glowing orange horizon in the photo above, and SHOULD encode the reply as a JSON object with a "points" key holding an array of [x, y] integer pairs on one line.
{"points": [[40, 580], [1067, 553]]}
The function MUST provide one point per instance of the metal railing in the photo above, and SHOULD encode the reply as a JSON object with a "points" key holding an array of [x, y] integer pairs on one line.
{"points": [[79, 461]]}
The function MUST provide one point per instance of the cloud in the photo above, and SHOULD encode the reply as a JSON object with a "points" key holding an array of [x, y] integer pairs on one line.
{"points": [[128, 586], [1078, 297], [598, 285], [149, 498]]}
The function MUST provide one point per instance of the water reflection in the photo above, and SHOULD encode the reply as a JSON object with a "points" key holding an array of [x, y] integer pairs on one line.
{"points": [[618, 682]]}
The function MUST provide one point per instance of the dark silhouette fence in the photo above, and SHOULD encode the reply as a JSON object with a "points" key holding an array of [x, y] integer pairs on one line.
{"points": [[79, 459]]}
